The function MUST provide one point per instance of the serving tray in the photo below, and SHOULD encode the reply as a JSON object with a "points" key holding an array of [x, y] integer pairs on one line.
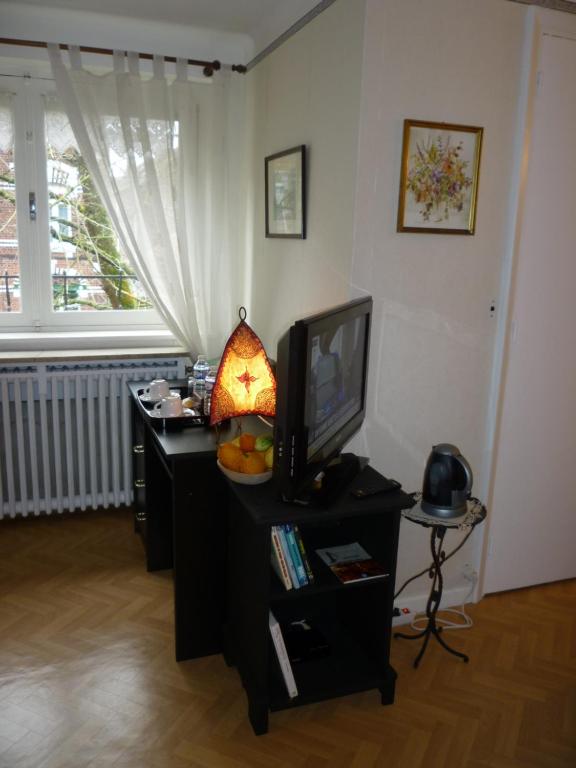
{"points": [[191, 417]]}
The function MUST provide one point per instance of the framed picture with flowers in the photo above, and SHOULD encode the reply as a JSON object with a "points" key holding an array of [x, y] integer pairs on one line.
{"points": [[439, 178]]}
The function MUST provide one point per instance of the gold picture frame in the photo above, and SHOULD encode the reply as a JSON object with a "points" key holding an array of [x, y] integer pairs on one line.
{"points": [[439, 178]]}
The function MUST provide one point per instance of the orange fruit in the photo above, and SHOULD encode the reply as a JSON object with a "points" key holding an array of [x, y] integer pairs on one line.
{"points": [[247, 442], [252, 463], [230, 456]]}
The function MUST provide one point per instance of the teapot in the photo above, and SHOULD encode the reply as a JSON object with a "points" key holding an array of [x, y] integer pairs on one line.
{"points": [[447, 482]]}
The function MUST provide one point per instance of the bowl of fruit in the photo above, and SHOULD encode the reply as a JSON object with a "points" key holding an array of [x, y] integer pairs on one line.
{"points": [[247, 459]]}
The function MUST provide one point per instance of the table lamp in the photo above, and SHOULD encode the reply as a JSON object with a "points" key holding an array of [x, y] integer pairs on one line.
{"points": [[244, 383]]}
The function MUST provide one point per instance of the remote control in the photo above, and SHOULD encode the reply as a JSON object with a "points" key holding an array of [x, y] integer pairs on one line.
{"points": [[381, 485]]}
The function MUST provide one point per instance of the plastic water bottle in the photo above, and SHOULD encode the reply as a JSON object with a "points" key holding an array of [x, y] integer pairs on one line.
{"points": [[211, 378], [209, 386], [200, 368]]}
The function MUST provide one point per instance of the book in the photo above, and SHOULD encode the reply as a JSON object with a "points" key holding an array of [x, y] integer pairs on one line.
{"points": [[295, 555], [278, 561], [303, 555], [287, 556], [361, 570], [351, 563], [282, 655]]}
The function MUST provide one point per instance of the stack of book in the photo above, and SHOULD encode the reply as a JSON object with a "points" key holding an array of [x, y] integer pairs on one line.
{"points": [[351, 563], [289, 558]]}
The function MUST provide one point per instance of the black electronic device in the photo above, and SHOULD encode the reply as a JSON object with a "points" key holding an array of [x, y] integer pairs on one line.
{"points": [[304, 641], [321, 373], [447, 482], [380, 485]]}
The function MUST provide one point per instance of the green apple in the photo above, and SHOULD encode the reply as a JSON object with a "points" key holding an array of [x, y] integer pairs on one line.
{"points": [[263, 442]]}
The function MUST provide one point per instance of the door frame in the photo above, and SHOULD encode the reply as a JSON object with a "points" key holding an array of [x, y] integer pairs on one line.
{"points": [[504, 330]]}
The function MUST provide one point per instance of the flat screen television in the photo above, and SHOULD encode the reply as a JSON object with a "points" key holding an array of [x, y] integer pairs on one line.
{"points": [[321, 373]]}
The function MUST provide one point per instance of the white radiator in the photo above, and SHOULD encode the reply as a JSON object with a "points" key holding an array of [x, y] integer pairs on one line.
{"points": [[65, 433]]}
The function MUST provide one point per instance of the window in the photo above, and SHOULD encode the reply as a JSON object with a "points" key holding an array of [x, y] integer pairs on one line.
{"points": [[58, 251]]}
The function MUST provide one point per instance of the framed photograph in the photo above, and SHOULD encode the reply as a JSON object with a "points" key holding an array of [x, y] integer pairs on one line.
{"points": [[439, 178], [285, 195]]}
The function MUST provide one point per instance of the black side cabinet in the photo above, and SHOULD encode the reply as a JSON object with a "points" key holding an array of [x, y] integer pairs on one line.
{"points": [[181, 506], [355, 619]]}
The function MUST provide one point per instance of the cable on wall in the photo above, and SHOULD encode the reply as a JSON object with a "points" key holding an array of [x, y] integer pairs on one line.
{"points": [[296, 27]]}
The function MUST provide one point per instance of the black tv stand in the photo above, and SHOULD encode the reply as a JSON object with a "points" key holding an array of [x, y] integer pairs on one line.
{"points": [[354, 619], [336, 479]]}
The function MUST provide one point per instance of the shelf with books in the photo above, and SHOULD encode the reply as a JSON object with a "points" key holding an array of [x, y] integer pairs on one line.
{"points": [[325, 582], [338, 558]]}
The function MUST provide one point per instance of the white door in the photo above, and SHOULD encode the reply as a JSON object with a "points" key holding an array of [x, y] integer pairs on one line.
{"points": [[533, 510]]}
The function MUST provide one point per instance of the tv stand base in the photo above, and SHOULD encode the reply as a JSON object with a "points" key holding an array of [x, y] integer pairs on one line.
{"points": [[336, 478]]}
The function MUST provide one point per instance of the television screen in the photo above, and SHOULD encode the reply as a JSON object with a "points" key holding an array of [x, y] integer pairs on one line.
{"points": [[322, 369], [336, 377]]}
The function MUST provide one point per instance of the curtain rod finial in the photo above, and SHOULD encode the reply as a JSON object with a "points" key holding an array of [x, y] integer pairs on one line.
{"points": [[214, 66]]}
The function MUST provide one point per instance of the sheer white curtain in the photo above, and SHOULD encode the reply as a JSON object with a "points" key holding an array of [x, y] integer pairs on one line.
{"points": [[167, 158]]}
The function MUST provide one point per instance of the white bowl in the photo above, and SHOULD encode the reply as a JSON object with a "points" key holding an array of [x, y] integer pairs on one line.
{"points": [[242, 478]]}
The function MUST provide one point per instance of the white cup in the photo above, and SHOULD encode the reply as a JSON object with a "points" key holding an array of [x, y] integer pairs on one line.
{"points": [[170, 406], [157, 389]]}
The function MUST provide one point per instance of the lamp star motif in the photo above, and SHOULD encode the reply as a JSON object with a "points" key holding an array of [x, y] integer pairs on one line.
{"points": [[247, 379]]}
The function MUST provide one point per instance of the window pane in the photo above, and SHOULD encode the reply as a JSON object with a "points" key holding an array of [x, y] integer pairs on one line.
{"points": [[9, 252], [88, 270]]}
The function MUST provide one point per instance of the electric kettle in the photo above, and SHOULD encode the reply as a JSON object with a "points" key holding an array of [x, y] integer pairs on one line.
{"points": [[447, 482]]}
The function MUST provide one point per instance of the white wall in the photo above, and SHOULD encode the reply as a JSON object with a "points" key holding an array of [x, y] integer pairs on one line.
{"points": [[455, 61], [452, 61], [308, 92]]}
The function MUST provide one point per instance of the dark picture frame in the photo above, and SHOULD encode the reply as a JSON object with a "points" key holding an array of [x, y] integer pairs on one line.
{"points": [[439, 178], [285, 175]]}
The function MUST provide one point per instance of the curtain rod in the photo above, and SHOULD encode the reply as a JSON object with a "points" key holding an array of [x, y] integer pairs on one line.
{"points": [[209, 67]]}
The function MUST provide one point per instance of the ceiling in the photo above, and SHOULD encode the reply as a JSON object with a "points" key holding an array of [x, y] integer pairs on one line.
{"points": [[237, 16]]}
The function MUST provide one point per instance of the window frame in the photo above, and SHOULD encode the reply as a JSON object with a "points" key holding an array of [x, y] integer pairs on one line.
{"points": [[31, 175]]}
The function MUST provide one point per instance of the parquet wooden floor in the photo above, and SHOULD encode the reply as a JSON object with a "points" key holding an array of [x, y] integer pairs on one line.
{"points": [[88, 677]]}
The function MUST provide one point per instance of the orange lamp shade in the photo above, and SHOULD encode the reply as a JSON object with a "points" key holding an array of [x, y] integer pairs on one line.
{"points": [[244, 383]]}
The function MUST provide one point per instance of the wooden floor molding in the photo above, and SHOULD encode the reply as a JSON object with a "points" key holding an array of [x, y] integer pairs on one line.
{"points": [[88, 677]]}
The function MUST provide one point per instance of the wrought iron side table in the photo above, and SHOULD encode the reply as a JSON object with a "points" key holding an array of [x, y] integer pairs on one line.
{"points": [[475, 514]]}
